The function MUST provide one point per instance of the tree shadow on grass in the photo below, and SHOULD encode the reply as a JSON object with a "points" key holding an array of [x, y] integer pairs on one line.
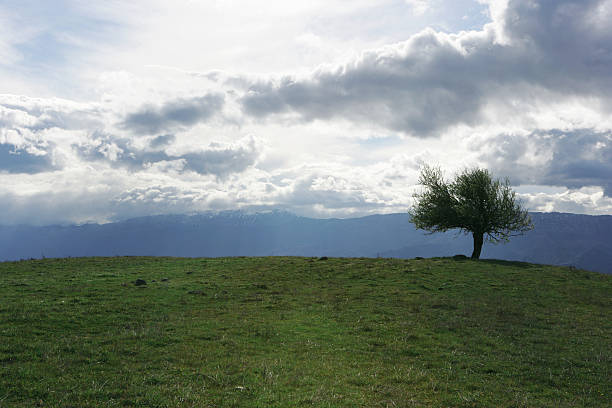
{"points": [[517, 264], [463, 258]]}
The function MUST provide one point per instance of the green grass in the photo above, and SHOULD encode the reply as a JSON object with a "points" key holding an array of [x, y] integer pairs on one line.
{"points": [[293, 332]]}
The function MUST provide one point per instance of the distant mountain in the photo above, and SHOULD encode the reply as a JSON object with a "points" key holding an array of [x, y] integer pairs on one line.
{"points": [[561, 239]]}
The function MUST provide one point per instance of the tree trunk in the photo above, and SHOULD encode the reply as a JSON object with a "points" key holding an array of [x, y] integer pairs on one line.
{"points": [[478, 239]]}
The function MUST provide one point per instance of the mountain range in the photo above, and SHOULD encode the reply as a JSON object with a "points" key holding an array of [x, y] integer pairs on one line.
{"points": [[582, 241]]}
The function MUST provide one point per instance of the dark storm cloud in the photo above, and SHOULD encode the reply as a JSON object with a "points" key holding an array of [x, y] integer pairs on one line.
{"points": [[183, 112], [573, 159], [15, 160], [555, 49]]}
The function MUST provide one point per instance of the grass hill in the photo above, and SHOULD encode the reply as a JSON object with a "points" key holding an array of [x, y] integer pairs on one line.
{"points": [[291, 332]]}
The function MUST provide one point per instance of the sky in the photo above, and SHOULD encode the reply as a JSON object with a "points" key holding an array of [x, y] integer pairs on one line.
{"points": [[325, 108]]}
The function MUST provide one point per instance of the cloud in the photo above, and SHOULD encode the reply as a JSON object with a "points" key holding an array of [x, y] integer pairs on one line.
{"points": [[526, 96], [539, 50], [38, 114], [218, 159], [330, 192], [223, 159], [570, 40], [116, 151], [15, 160], [161, 141], [574, 159], [35, 132], [48, 207], [178, 113], [159, 199], [419, 7], [404, 88], [586, 200], [38, 135]]}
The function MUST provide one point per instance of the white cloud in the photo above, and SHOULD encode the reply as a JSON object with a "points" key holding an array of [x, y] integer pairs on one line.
{"points": [[419, 7], [586, 200]]}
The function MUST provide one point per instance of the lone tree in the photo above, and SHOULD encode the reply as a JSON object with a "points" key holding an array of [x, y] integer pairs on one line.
{"points": [[473, 203]]}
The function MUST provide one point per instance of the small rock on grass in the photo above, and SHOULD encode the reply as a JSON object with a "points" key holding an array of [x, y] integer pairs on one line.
{"points": [[140, 282]]}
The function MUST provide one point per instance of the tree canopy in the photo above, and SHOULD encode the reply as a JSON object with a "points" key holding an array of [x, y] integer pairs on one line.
{"points": [[473, 202]]}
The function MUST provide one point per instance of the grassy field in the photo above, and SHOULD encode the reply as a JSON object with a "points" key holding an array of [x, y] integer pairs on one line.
{"points": [[292, 332]]}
